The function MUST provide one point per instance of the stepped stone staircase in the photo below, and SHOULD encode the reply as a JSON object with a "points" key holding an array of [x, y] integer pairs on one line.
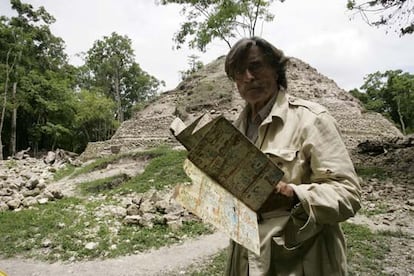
{"points": [[209, 90]]}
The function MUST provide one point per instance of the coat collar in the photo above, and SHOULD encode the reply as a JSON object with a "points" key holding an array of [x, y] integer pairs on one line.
{"points": [[280, 108]]}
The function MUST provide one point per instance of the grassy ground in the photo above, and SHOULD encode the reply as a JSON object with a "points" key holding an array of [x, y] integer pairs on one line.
{"points": [[60, 229], [365, 252]]}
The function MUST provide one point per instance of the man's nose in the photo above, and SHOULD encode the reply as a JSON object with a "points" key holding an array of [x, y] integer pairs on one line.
{"points": [[247, 75]]}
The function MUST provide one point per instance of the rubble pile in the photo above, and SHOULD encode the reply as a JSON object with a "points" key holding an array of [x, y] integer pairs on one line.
{"points": [[24, 179], [153, 207]]}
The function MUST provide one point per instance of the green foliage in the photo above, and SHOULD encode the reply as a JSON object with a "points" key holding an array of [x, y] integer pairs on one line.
{"points": [[59, 105], [386, 13], [194, 64], [38, 68], [224, 19], [94, 119], [110, 67], [392, 94]]}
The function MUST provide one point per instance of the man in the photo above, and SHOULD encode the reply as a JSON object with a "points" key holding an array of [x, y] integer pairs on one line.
{"points": [[299, 224]]}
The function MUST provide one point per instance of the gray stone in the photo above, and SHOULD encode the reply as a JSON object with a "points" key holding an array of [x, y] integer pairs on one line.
{"points": [[29, 201], [91, 245], [147, 220], [14, 203], [175, 225], [118, 211], [43, 200], [46, 243], [3, 206], [147, 207], [132, 210], [132, 219], [34, 192]]}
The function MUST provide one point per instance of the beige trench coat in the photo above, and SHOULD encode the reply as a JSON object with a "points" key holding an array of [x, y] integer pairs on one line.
{"points": [[303, 140]]}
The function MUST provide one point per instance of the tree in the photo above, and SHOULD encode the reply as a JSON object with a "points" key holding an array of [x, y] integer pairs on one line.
{"points": [[94, 120], [389, 13], [222, 19], [194, 64], [139, 87], [30, 47], [48, 107], [392, 94], [112, 68]]}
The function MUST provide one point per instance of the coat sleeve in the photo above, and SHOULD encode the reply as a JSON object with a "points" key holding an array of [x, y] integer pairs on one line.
{"points": [[333, 194]]}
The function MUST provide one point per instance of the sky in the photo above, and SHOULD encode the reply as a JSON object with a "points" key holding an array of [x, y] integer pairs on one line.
{"points": [[339, 44]]}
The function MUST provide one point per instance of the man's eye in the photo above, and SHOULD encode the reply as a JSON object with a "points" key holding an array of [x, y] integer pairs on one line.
{"points": [[254, 67]]}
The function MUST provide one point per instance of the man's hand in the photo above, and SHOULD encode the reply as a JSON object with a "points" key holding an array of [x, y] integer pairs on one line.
{"points": [[284, 189], [284, 197]]}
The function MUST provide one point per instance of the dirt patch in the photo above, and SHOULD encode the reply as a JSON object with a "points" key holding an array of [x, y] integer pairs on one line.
{"points": [[128, 167]]}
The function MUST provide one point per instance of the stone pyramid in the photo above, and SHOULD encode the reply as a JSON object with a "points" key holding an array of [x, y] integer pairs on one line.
{"points": [[209, 91]]}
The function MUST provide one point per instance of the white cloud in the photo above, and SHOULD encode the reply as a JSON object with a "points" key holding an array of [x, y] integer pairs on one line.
{"points": [[318, 32]]}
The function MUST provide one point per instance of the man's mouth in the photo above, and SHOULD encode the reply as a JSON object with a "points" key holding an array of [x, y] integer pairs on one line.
{"points": [[254, 87]]}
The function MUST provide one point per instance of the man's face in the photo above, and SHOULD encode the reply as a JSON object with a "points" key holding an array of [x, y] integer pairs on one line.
{"points": [[256, 79]]}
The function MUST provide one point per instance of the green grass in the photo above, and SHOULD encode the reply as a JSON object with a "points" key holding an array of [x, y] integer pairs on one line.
{"points": [[10, 164], [103, 162], [214, 266], [62, 173], [365, 252], [60, 230], [395, 234], [103, 185], [366, 249], [163, 171], [370, 172], [380, 208]]}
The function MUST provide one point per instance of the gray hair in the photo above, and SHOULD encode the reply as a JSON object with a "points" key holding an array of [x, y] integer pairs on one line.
{"points": [[274, 56]]}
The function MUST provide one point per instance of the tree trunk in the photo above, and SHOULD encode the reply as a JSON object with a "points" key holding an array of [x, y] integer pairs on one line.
{"points": [[13, 121], [400, 116], [118, 100], [3, 109]]}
